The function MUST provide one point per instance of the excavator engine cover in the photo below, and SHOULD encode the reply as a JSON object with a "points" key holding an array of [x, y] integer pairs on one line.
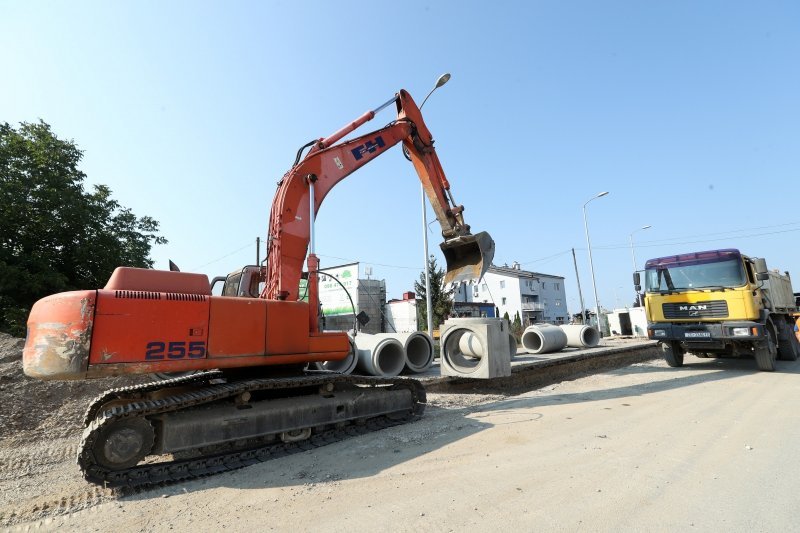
{"points": [[467, 256]]}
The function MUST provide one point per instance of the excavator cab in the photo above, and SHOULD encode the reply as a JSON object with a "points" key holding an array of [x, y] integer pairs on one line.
{"points": [[243, 283], [467, 256]]}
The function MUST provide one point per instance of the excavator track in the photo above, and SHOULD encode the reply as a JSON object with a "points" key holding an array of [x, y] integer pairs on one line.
{"points": [[136, 411], [138, 391]]}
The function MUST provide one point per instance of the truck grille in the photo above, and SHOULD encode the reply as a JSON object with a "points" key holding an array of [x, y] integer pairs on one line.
{"points": [[708, 309]]}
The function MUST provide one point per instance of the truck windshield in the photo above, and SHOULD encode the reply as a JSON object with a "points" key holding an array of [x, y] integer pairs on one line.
{"points": [[681, 277]]}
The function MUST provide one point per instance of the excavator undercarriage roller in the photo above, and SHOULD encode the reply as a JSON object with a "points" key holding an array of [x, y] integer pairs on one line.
{"points": [[467, 256]]}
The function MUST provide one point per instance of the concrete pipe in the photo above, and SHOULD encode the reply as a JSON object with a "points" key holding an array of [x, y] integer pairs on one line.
{"points": [[379, 355], [463, 349], [343, 366], [475, 348], [418, 347], [581, 336], [543, 338]]}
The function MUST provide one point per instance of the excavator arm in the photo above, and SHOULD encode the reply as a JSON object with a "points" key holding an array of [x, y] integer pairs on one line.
{"points": [[327, 163]]}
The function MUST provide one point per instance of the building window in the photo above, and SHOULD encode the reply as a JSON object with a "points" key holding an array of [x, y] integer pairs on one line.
{"points": [[544, 284], [502, 284], [504, 301], [558, 286], [558, 303], [475, 291]]}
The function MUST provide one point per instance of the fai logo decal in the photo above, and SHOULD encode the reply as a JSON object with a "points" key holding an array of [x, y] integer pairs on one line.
{"points": [[368, 147]]}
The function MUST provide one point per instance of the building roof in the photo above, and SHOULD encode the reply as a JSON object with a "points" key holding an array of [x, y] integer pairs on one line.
{"points": [[516, 271]]}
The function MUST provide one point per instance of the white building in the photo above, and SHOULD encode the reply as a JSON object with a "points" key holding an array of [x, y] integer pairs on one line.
{"points": [[401, 315], [535, 296], [628, 321]]}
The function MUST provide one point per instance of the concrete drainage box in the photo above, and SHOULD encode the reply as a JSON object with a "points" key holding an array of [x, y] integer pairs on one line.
{"points": [[475, 348]]}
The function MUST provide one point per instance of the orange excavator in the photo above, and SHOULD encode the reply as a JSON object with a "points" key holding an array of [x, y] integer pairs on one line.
{"points": [[242, 392]]}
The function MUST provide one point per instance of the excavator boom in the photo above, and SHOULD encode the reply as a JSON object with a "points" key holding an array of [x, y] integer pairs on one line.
{"points": [[327, 163]]}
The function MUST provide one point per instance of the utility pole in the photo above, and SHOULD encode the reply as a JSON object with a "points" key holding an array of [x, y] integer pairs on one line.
{"points": [[580, 294]]}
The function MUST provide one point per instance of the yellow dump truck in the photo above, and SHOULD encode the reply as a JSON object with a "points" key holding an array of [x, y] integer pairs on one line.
{"points": [[719, 303]]}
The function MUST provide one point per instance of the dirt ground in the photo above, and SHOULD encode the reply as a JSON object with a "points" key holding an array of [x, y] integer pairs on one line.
{"points": [[708, 447], [40, 427]]}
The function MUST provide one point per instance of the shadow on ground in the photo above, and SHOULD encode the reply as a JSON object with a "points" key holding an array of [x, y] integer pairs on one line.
{"points": [[369, 455]]}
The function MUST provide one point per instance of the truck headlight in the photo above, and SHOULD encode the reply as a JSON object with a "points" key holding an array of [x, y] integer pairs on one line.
{"points": [[659, 333], [740, 332]]}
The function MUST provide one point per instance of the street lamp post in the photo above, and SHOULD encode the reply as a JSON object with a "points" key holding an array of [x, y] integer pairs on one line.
{"points": [[591, 264], [444, 78], [633, 254], [633, 257]]}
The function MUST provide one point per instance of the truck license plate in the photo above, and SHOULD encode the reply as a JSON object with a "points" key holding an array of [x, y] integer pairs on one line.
{"points": [[697, 334]]}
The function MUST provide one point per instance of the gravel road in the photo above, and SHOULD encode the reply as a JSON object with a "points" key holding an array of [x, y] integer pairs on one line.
{"points": [[708, 447]]}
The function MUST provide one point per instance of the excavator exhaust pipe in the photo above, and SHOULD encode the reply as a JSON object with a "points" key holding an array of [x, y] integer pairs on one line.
{"points": [[467, 256]]}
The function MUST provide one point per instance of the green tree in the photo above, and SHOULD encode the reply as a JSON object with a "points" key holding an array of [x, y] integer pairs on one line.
{"points": [[516, 327], [54, 235], [441, 298]]}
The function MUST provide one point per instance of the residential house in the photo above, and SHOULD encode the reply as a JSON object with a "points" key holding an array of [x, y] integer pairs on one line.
{"points": [[535, 296]]}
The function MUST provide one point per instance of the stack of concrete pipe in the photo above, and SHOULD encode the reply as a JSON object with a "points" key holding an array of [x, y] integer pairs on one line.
{"points": [[384, 354], [547, 338], [388, 354], [581, 336]]}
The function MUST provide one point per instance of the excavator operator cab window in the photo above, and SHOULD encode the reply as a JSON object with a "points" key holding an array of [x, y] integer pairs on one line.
{"points": [[231, 287], [245, 284]]}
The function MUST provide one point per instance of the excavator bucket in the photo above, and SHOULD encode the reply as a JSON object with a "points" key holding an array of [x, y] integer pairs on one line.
{"points": [[467, 257]]}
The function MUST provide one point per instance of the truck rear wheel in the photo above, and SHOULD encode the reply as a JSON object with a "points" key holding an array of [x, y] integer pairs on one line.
{"points": [[673, 353], [766, 351], [788, 346]]}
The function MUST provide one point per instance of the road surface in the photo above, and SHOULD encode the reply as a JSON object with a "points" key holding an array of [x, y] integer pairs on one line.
{"points": [[708, 447]]}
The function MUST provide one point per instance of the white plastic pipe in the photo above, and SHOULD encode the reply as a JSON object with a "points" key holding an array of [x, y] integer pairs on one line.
{"points": [[543, 338], [379, 355], [581, 336]]}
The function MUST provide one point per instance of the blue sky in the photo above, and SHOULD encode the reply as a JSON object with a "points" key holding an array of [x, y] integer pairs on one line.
{"points": [[686, 112]]}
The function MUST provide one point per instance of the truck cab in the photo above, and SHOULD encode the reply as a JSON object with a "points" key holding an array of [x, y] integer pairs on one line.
{"points": [[719, 303]]}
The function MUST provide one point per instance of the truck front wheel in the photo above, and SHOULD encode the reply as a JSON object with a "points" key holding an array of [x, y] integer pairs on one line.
{"points": [[673, 353], [766, 351]]}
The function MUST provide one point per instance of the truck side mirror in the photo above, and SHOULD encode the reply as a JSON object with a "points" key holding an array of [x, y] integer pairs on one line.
{"points": [[637, 280], [760, 264]]}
